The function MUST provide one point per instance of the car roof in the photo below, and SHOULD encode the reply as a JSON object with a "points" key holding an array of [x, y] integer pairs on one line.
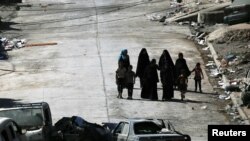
{"points": [[240, 3], [26, 106], [134, 120]]}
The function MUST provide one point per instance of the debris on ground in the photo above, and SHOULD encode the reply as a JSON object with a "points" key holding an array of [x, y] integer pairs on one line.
{"points": [[232, 111], [80, 129], [11, 44], [154, 17], [204, 107]]}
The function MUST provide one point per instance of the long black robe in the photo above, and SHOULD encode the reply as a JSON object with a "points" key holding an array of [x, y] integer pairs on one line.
{"points": [[143, 62], [149, 89], [181, 64], [166, 67]]}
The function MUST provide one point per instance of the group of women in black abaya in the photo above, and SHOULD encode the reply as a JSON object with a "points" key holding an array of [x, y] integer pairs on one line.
{"points": [[169, 73]]}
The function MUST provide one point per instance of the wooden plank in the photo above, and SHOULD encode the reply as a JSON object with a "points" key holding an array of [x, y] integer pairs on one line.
{"points": [[41, 44]]}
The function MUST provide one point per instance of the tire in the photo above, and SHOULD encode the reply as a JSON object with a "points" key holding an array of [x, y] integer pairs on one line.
{"points": [[187, 138], [245, 97]]}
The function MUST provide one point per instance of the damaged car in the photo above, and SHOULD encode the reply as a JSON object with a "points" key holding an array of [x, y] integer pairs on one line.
{"points": [[237, 12], [34, 118], [146, 130]]}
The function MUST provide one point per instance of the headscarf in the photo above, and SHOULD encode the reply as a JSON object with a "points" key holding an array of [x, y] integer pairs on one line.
{"points": [[123, 54]]}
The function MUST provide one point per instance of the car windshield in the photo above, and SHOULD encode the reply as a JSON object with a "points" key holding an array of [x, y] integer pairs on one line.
{"points": [[28, 118], [146, 128]]}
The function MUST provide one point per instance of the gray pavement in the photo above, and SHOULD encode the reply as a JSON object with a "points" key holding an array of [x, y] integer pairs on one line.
{"points": [[77, 76]]}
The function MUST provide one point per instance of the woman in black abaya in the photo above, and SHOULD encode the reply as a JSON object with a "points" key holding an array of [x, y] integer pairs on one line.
{"points": [[143, 62], [166, 67], [149, 89]]}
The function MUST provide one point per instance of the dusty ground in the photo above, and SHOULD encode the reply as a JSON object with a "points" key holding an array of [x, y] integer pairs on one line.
{"points": [[220, 103], [76, 77], [227, 42], [232, 40]]}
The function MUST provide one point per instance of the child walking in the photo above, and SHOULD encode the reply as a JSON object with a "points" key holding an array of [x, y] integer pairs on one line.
{"points": [[198, 75], [182, 81], [130, 81], [120, 79]]}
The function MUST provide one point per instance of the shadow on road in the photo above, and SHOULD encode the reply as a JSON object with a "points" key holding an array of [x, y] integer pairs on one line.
{"points": [[172, 100], [208, 93], [7, 26]]}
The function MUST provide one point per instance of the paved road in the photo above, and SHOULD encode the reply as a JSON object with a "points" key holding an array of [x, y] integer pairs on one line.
{"points": [[76, 77]]}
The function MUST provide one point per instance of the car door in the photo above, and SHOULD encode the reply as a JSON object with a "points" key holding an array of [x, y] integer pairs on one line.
{"points": [[121, 132]]}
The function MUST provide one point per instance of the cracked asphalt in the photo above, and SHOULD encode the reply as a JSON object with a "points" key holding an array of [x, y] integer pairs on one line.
{"points": [[77, 76]]}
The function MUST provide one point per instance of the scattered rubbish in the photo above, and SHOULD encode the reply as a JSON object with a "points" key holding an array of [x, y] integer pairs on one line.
{"points": [[228, 92], [236, 117], [193, 24], [154, 17], [184, 23], [201, 42], [232, 114], [210, 55], [14, 43], [163, 19], [222, 96], [232, 71], [232, 88], [204, 107], [224, 63], [230, 57], [205, 48], [228, 98], [215, 73], [220, 83], [228, 107], [202, 35], [210, 64]]}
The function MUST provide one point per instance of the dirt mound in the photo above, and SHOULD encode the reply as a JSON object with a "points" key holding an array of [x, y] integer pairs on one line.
{"points": [[240, 32]]}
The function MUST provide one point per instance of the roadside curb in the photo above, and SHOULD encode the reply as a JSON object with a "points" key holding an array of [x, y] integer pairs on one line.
{"points": [[225, 80]]}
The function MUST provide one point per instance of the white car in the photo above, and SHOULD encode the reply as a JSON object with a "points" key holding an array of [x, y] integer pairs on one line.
{"points": [[145, 130]]}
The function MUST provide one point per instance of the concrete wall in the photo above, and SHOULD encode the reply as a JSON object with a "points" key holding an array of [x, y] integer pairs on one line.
{"points": [[212, 17]]}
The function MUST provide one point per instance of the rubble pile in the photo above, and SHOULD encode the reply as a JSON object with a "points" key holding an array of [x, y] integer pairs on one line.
{"points": [[7, 45], [11, 44], [237, 35], [232, 111]]}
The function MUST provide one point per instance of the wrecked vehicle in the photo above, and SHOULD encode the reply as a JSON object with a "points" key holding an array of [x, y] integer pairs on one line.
{"points": [[35, 118], [77, 129], [145, 130], [245, 95], [237, 12]]}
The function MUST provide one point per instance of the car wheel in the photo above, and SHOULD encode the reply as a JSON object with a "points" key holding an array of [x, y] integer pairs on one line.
{"points": [[187, 138]]}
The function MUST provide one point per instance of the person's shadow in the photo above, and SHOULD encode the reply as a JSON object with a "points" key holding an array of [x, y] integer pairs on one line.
{"points": [[7, 26]]}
